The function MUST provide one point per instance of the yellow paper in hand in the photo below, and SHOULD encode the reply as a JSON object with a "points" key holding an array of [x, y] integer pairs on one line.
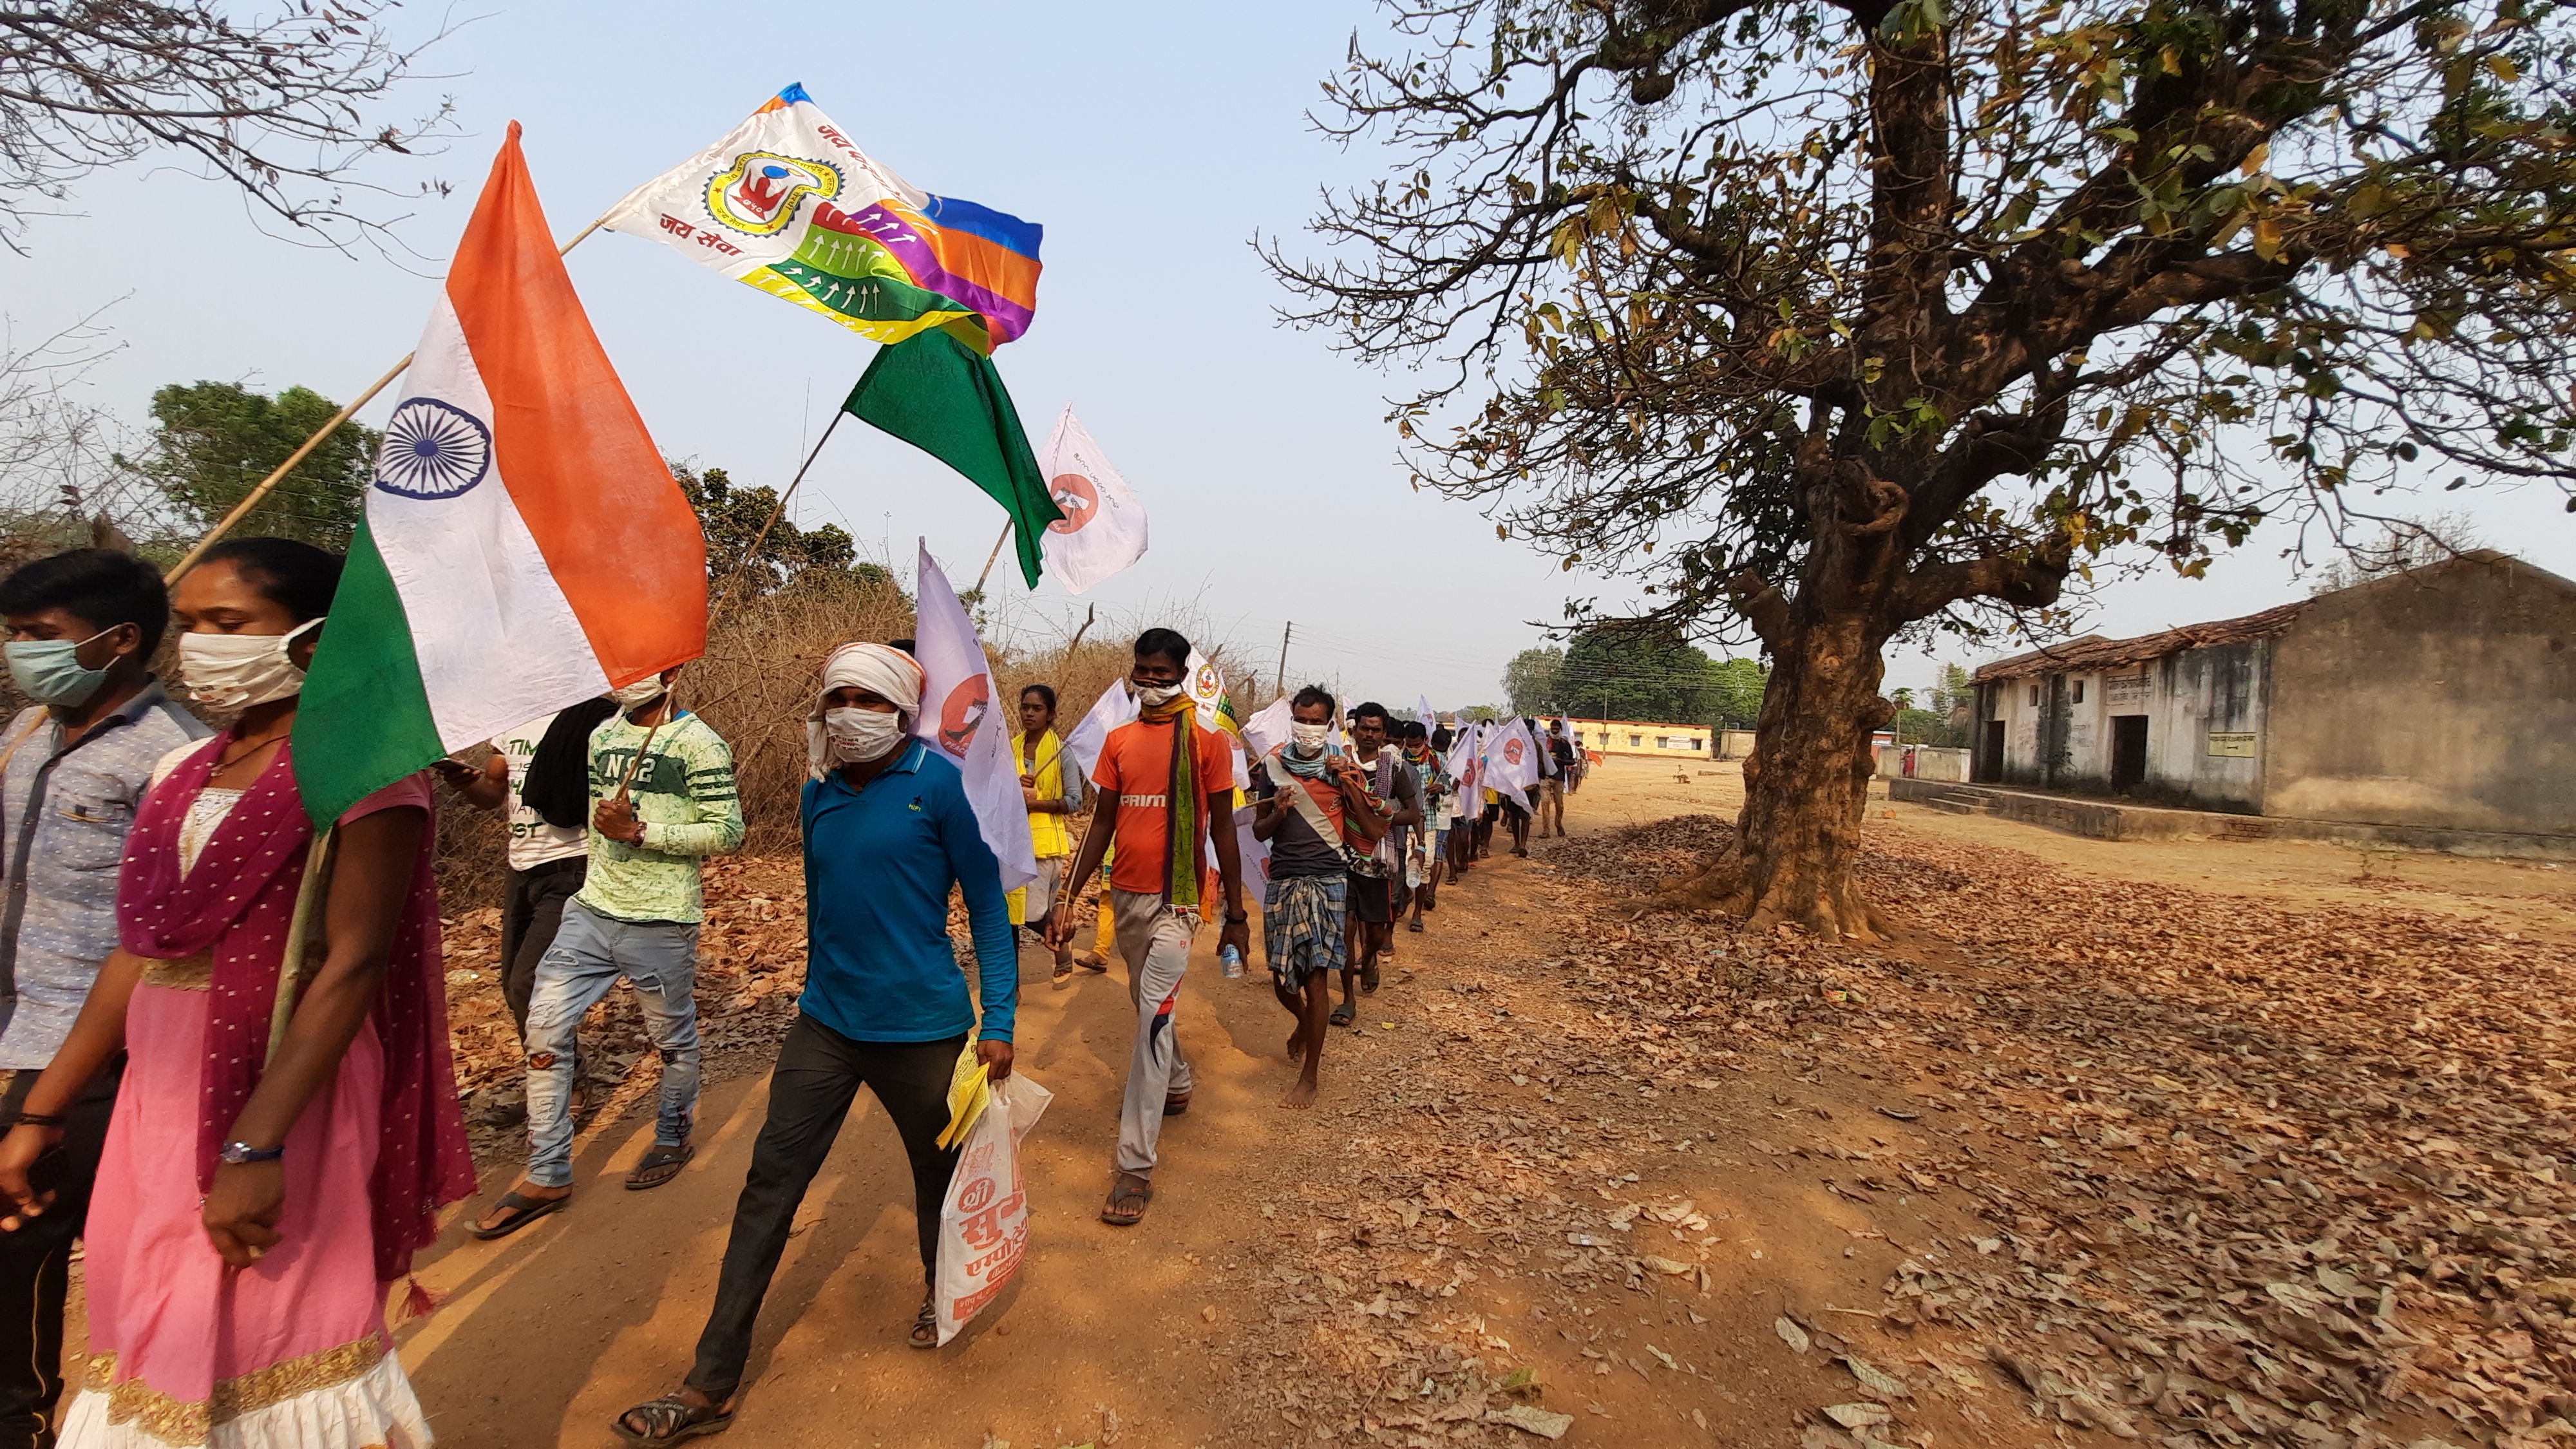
{"points": [[969, 1092]]}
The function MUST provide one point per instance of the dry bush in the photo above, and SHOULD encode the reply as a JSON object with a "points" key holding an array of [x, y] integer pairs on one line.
{"points": [[764, 659]]}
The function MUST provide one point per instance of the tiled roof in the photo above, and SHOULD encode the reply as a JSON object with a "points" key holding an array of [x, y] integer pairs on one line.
{"points": [[2094, 652]]}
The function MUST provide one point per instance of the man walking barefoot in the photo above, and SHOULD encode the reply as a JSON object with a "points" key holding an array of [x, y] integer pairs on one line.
{"points": [[1307, 794], [1161, 778]]}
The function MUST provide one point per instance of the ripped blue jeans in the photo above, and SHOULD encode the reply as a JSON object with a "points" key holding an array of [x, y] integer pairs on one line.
{"points": [[589, 953]]}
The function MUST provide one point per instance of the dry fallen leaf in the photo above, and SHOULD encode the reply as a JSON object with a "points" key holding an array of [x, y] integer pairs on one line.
{"points": [[1790, 1334]]}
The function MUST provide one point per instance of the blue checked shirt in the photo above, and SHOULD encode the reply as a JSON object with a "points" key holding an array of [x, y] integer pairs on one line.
{"points": [[63, 819]]}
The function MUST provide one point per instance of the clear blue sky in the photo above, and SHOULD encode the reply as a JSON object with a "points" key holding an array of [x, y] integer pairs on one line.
{"points": [[1152, 141]]}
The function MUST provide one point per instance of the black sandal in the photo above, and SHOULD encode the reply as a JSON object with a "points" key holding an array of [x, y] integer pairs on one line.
{"points": [[670, 1419], [1344, 1014], [925, 1326], [528, 1209], [1116, 1211], [659, 1166], [1176, 1104], [1369, 979]]}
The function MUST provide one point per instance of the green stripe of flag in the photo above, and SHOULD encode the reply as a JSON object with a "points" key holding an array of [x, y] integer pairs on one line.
{"points": [[946, 399], [364, 721]]}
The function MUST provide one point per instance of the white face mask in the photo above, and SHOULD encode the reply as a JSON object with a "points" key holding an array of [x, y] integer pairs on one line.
{"points": [[236, 671], [861, 735], [1309, 737], [1155, 696], [642, 692]]}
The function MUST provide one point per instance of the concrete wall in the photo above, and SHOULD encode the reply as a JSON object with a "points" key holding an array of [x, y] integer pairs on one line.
{"points": [[2058, 727], [1930, 762], [2444, 697]]}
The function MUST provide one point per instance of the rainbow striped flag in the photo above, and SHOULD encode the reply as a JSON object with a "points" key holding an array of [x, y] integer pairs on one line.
{"points": [[789, 204]]}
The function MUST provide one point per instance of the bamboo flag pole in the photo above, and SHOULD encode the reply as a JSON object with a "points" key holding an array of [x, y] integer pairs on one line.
{"points": [[775, 514], [224, 525], [996, 553]]}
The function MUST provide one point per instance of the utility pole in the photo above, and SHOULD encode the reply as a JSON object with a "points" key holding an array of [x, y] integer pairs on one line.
{"points": [[1284, 631]]}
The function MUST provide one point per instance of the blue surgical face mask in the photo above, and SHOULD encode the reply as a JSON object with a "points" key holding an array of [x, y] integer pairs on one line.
{"points": [[49, 671]]}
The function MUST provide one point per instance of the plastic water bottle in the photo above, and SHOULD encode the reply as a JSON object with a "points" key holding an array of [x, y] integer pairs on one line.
{"points": [[1231, 960]]}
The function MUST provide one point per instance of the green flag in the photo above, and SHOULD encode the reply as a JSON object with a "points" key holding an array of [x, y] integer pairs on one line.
{"points": [[946, 399]]}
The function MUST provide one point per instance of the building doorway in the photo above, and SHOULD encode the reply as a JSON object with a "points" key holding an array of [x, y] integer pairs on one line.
{"points": [[2128, 752], [1990, 761]]}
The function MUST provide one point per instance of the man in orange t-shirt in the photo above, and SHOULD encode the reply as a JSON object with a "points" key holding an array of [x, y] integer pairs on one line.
{"points": [[1161, 778]]}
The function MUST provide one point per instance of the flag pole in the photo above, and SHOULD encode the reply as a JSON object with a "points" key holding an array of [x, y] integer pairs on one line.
{"points": [[996, 553], [332, 425], [762, 537]]}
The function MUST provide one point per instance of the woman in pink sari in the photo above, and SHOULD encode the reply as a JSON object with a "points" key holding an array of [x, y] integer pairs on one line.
{"points": [[254, 1206]]}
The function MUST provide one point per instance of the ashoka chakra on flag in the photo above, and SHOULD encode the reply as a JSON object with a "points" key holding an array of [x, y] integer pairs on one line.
{"points": [[433, 449]]}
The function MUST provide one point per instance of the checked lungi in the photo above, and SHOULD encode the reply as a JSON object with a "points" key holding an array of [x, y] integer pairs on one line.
{"points": [[1302, 924]]}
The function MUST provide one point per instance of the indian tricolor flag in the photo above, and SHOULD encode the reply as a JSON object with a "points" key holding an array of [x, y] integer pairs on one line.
{"points": [[524, 546]]}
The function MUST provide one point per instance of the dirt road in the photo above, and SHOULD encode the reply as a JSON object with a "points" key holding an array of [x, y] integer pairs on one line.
{"points": [[1684, 1186]]}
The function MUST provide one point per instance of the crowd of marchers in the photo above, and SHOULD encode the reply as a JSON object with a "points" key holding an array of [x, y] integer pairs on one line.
{"points": [[224, 1073]]}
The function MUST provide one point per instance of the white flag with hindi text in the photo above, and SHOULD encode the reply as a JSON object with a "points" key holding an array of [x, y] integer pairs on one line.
{"points": [[959, 720], [1103, 528]]}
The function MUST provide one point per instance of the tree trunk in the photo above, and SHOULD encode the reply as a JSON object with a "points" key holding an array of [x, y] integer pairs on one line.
{"points": [[1806, 788]]}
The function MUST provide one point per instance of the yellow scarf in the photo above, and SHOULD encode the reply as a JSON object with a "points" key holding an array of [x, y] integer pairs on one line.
{"points": [[1181, 802]]}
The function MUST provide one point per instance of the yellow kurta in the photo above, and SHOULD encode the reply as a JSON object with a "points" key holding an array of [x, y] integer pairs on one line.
{"points": [[1047, 834]]}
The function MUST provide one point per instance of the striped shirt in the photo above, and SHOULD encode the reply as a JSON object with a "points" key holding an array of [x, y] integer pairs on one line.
{"points": [[64, 814], [684, 793]]}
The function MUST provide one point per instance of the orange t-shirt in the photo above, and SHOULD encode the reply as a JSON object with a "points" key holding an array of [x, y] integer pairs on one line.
{"points": [[1135, 775]]}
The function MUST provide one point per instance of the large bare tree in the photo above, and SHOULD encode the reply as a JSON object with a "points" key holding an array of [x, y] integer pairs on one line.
{"points": [[282, 103], [1834, 319]]}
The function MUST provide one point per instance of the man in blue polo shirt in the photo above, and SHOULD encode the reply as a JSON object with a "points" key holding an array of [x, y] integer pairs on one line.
{"points": [[888, 832]]}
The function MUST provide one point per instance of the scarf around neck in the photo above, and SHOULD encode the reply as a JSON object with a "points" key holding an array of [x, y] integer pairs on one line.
{"points": [[239, 904], [1180, 803]]}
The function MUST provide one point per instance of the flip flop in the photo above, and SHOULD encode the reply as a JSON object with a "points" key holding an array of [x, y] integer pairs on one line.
{"points": [[1344, 1014], [659, 1166], [529, 1209], [1416, 923], [1141, 1194]]}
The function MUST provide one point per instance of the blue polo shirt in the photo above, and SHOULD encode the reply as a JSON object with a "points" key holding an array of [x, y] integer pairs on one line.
{"points": [[878, 866]]}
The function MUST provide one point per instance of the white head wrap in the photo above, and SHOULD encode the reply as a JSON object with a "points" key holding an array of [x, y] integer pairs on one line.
{"points": [[880, 669]]}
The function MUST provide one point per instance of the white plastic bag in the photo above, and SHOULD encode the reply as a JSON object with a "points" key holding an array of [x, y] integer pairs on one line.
{"points": [[984, 1221]]}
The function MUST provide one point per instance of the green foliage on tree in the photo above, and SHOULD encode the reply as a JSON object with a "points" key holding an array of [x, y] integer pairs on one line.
{"points": [[732, 516], [1651, 673], [1531, 680], [212, 443]]}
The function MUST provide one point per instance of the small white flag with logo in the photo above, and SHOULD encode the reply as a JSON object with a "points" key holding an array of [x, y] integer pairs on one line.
{"points": [[1511, 757], [958, 719], [1115, 707], [1103, 528]]}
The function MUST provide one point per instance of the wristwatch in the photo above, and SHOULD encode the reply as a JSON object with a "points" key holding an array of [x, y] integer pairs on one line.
{"points": [[238, 1153]]}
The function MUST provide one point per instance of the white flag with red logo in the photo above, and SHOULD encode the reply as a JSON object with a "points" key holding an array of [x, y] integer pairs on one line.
{"points": [[961, 719], [1511, 757], [1103, 528]]}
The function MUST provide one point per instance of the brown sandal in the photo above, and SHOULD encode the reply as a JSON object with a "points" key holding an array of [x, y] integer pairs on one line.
{"points": [[1115, 1212]]}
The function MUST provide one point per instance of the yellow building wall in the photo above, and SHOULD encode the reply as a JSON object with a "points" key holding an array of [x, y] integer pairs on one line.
{"points": [[1639, 737]]}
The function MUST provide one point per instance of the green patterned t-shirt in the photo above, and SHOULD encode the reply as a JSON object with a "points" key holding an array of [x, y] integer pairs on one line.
{"points": [[684, 793]]}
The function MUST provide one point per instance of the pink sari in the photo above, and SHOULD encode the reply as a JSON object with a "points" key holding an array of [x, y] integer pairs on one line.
{"points": [[292, 1351]]}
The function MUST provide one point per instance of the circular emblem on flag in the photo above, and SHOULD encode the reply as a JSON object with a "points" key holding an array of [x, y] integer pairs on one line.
{"points": [[962, 713], [1512, 751], [1208, 684], [759, 193], [433, 450], [1077, 497]]}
